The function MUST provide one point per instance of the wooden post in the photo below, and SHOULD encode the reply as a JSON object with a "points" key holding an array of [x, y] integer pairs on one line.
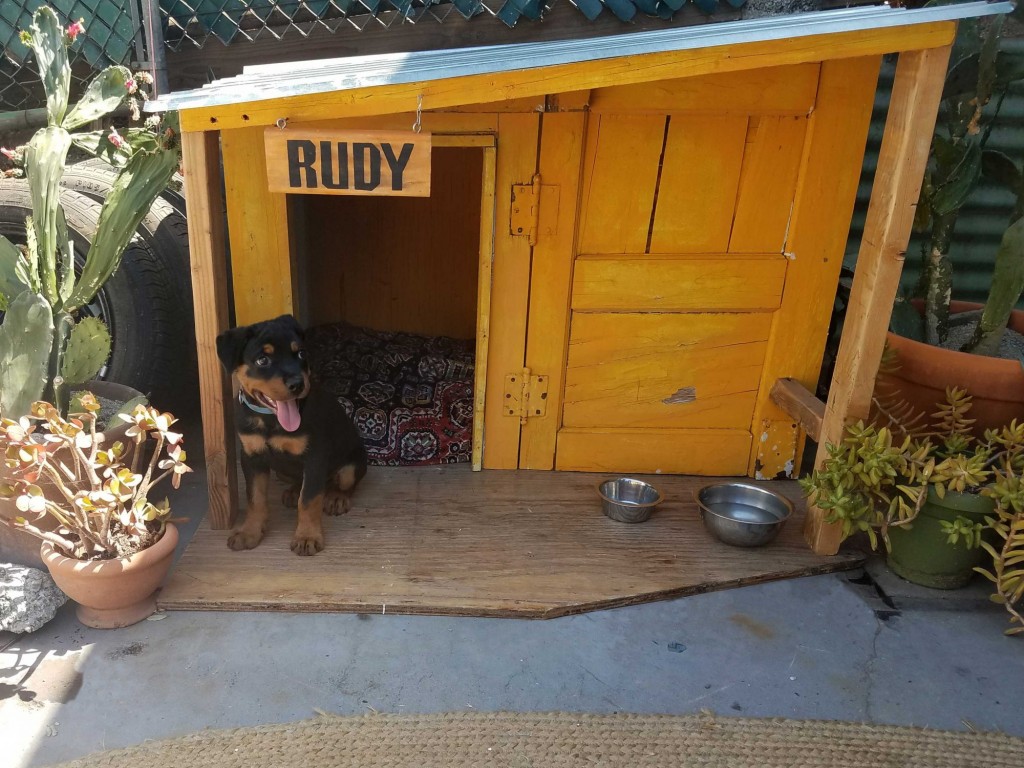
{"points": [[206, 238], [905, 144], [263, 278]]}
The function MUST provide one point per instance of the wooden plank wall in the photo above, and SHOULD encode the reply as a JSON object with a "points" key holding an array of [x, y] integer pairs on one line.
{"points": [[400, 264], [687, 194]]}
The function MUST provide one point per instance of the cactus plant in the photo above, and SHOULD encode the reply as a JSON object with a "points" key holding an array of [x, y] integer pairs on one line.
{"points": [[68, 349], [27, 328], [88, 348], [975, 87]]}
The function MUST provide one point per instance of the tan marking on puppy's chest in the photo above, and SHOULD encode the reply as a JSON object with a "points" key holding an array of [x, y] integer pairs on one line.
{"points": [[253, 444], [296, 445]]}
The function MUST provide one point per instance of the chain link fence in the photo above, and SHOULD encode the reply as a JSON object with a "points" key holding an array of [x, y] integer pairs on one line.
{"points": [[113, 35], [193, 23]]}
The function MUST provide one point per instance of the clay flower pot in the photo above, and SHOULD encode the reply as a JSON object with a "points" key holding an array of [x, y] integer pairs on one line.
{"points": [[996, 385], [113, 593]]}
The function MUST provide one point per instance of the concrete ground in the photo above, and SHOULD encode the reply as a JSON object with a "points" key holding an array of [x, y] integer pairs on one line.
{"points": [[860, 646]]}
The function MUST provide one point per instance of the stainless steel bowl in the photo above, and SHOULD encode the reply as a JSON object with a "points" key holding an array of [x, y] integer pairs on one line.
{"points": [[742, 514], [628, 500]]}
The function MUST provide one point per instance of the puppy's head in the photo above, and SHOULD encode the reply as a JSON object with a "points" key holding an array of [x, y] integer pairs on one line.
{"points": [[269, 361]]}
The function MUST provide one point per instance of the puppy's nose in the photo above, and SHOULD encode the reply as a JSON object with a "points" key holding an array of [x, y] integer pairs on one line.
{"points": [[296, 385]]}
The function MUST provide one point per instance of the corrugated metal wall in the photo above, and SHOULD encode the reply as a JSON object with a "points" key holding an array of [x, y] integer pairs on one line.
{"points": [[987, 212]]}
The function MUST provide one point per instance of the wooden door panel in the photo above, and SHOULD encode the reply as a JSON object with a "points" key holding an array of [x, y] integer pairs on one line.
{"points": [[676, 451], [771, 163], [680, 284], [664, 370], [620, 183], [699, 178]]}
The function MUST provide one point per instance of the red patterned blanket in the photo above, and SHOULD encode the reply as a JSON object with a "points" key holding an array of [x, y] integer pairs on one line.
{"points": [[410, 396]]}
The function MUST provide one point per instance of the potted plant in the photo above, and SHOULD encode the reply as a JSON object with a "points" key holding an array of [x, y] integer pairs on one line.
{"points": [[111, 545], [48, 342], [940, 342], [50, 346], [928, 496], [1007, 547]]}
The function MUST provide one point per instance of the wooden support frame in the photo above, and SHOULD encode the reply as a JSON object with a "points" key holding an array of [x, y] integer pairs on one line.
{"points": [[206, 240], [905, 145], [484, 282], [800, 405]]}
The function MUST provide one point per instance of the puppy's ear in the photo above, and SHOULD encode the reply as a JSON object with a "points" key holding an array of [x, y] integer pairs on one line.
{"points": [[292, 324], [231, 345]]}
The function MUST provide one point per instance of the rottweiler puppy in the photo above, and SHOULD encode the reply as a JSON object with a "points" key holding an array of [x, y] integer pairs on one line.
{"points": [[287, 425]]}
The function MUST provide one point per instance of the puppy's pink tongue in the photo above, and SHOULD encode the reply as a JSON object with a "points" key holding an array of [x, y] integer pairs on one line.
{"points": [[288, 414]]}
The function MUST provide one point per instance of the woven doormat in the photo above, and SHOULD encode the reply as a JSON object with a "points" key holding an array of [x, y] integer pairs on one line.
{"points": [[472, 740]]}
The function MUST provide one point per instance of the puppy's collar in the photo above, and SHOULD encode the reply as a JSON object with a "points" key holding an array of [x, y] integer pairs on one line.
{"points": [[251, 405]]}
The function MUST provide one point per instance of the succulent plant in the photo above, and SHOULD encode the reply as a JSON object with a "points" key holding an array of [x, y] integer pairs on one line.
{"points": [[873, 482], [99, 497], [45, 265]]}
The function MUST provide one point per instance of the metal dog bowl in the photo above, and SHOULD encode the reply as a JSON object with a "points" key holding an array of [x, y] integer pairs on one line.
{"points": [[741, 514], [628, 500]]}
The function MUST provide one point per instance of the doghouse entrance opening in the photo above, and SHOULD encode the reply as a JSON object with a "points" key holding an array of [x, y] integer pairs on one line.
{"points": [[390, 290]]}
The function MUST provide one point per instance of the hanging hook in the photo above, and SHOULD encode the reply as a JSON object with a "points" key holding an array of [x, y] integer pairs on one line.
{"points": [[418, 125], [282, 122]]}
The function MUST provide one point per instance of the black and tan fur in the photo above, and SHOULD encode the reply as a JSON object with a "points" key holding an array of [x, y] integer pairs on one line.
{"points": [[323, 459]]}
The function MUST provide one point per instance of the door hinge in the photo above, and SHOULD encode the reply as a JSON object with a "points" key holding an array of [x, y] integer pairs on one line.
{"points": [[526, 396], [525, 219]]}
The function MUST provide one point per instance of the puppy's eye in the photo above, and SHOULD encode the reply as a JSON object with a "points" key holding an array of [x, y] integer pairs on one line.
{"points": [[262, 361], [301, 354]]}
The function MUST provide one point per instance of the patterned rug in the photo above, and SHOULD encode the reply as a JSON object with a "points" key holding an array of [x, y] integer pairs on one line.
{"points": [[410, 396], [561, 740]]}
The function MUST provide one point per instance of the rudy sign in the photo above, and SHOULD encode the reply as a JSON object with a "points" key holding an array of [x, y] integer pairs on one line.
{"points": [[346, 162]]}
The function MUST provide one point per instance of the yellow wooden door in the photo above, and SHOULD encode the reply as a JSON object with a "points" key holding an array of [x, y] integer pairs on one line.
{"points": [[653, 309]]}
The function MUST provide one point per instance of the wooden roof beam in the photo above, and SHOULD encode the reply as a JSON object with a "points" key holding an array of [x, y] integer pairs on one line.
{"points": [[484, 88]]}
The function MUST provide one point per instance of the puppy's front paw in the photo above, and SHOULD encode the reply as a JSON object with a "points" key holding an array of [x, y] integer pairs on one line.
{"points": [[307, 544], [245, 538], [336, 504]]}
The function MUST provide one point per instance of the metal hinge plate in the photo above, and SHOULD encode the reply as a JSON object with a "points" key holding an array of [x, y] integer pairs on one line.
{"points": [[527, 216], [526, 396]]}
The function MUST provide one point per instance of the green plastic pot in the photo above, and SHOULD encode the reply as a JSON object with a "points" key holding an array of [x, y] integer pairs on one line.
{"points": [[921, 554]]}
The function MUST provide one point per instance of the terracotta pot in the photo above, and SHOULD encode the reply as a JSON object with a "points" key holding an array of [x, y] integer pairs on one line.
{"points": [[996, 385], [113, 593], [22, 548]]}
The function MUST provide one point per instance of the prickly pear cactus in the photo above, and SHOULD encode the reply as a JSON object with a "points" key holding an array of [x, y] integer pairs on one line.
{"points": [[88, 349], [147, 157], [25, 340]]}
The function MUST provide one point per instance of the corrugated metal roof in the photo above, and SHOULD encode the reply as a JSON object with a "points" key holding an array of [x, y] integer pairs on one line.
{"points": [[274, 81]]}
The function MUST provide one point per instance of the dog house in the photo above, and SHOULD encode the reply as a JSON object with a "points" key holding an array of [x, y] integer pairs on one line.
{"points": [[641, 234]]}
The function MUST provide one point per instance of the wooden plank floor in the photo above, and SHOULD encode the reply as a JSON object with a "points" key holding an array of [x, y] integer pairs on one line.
{"points": [[493, 543]]}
